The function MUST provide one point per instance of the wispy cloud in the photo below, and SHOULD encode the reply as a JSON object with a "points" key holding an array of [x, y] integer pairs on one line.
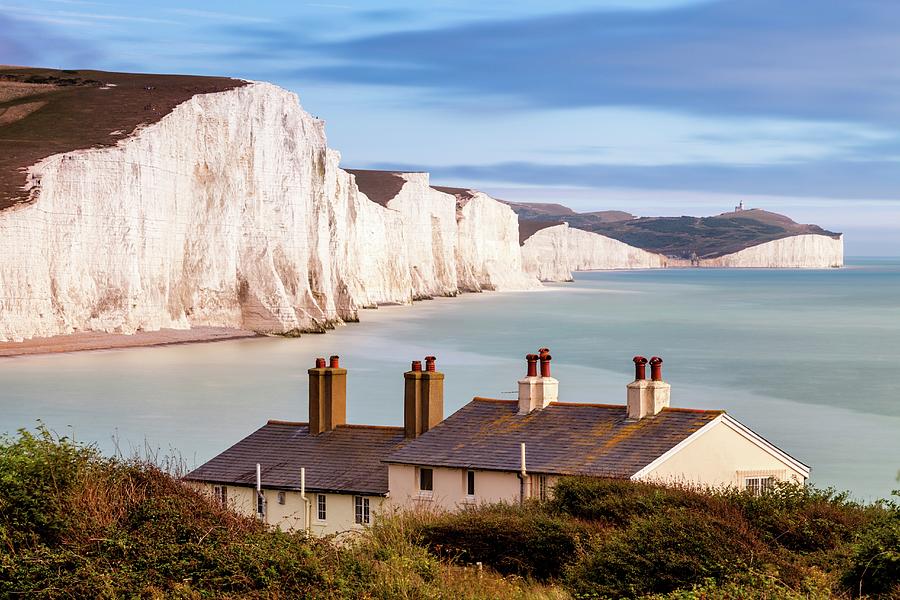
{"points": [[844, 180], [27, 13], [822, 60], [218, 16]]}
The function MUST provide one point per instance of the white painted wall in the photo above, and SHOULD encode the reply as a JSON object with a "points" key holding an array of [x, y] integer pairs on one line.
{"points": [[449, 488], [721, 456], [340, 509]]}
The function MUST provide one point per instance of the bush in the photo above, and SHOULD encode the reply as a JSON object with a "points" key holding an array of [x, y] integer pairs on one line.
{"points": [[76, 525], [875, 561], [615, 502], [513, 540], [662, 552], [801, 518], [36, 472]]}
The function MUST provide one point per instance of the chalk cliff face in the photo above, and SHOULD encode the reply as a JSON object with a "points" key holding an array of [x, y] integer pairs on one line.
{"points": [[488, 251], [228, 211], [428, 221], [231, 211], [553, 253], [798, 251]]}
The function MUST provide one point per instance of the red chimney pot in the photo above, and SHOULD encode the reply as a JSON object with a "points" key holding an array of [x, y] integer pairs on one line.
{"points": [[320, 363], [543, 351], [532, 365], [416, 366], [429, 363], [335, 362], [656, 368], [640, 368], [545, 365]]}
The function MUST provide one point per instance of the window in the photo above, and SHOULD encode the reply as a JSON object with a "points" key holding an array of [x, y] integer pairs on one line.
{"points": [[361, 510], [542, 487], [320, 507], [470, 483], [426, 480], [220, 493], [758, 485], [260, 504], [281, 498]]}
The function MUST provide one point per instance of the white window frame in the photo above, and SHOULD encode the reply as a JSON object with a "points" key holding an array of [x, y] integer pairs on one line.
{"points": [[470, 489], [282, 498], [758, 485], [361, 512], [322, 507], [220, 493]]}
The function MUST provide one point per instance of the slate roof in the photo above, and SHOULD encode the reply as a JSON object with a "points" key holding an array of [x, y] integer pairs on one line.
{"points": [[561, 439], [345, 460]]}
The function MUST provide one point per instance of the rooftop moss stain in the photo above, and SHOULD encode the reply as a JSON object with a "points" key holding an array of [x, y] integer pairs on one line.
{"points": [[563, 438]]}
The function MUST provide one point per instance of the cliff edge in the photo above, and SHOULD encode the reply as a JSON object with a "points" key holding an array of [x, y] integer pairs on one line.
{"points": [[228, 210]]}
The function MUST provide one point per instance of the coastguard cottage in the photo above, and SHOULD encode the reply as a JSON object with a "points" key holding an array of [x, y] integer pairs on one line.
{"points": [[326, 476]]}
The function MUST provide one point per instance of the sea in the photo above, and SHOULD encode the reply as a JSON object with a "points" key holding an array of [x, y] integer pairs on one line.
{"points": [[808, 359]]}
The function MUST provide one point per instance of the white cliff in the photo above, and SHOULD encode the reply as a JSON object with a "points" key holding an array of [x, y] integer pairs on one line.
{"points": [[488, 253], [554, 253], [428, 221], [808, 251], [229, 211]]}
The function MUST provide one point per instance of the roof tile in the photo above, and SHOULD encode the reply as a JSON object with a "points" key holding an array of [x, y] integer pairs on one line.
{"points": [[564, 438], [345, 460]]}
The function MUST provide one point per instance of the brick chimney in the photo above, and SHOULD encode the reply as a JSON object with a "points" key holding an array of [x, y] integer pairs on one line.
{"points": [[423, 397], [327, 396], [536, 391], [647, 398]]}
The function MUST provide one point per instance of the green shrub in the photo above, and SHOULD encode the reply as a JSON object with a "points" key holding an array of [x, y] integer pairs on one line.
{"points": [[76, 525], [523, 541], [662, 552], [875, 561], [36, 473], [615, 502], [800, 518]]}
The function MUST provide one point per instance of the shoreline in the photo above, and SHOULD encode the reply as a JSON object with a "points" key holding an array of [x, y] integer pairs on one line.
{"points": [[88, 341]]}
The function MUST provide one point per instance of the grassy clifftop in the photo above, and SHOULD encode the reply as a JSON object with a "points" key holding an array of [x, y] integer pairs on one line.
{"points": [[75, 524], [50, 111]]}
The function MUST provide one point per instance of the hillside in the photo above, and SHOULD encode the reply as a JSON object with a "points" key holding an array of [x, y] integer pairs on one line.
{"points": [[76, 524], [677, 237], [48, 111]]}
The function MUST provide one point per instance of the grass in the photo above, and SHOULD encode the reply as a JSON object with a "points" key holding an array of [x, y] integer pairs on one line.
{"points": [[76, 524]]}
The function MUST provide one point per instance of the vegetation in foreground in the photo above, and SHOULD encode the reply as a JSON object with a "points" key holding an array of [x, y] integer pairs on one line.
{"points": [[74, 524]]}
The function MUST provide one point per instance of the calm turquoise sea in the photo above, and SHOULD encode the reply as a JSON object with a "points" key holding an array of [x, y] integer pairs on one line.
{"points": [[809, 359]]}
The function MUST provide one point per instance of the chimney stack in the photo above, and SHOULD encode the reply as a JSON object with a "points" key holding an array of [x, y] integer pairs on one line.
{"points": [[423, 397], [536, 392], [647, 398], [327, 396]]}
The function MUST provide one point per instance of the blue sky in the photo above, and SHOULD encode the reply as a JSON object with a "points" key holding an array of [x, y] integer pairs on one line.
{"points": [[653, 106]]}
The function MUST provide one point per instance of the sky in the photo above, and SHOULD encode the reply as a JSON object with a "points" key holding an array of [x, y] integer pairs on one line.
{"points": [[657, 107]]}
